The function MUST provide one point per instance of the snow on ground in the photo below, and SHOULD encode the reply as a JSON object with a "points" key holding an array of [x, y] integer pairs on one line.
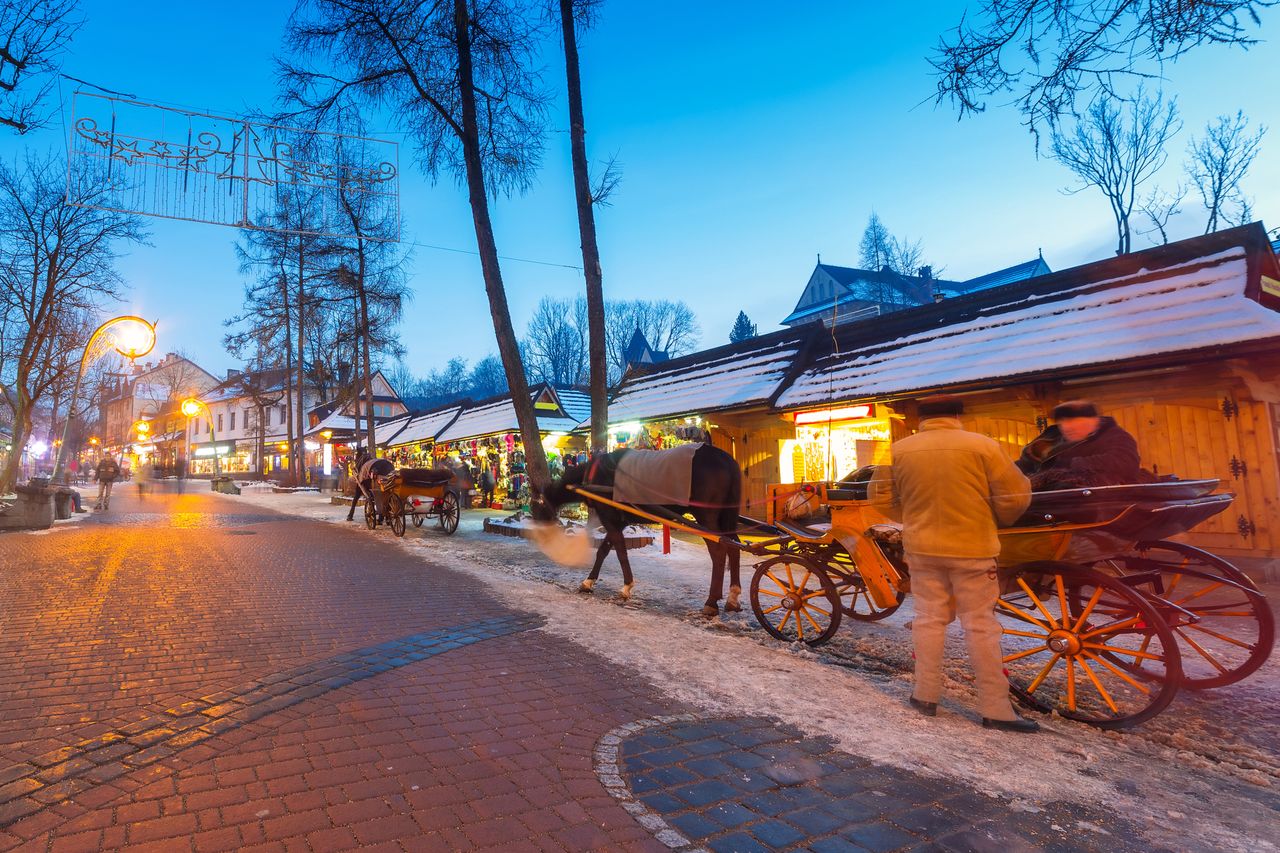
{"points": [[1202, 776]]}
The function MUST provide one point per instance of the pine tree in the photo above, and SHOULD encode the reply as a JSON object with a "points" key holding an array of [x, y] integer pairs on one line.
{"points": [[743, 329]]}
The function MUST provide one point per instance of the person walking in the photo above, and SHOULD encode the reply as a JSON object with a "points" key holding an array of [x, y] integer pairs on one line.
{"points": [[108, 471], [952, 489]]}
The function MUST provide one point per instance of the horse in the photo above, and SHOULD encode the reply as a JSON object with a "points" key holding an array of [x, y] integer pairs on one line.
{"points": [[714, 498]]}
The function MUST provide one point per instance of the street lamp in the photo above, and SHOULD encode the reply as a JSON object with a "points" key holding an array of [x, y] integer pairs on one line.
{"points": [[191, 407], [132, 337]]}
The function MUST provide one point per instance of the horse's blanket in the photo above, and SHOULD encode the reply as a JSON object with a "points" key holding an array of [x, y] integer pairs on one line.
{"points": [[655, 477]]}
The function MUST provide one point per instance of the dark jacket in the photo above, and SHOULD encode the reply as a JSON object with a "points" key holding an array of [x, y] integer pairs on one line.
{"points": [[1108, 457], [108, 471], [375, 468]]}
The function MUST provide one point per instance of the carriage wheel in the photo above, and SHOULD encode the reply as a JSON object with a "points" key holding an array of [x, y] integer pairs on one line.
{"points": [[395, 513], [1071, 637], [795, 600], [450, 512], [1224, 627], [855, 601], [418, 518], [370, 517]]}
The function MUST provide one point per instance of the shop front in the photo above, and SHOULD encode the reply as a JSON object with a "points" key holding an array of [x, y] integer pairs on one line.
{"points": [[832, 443], [658, 434], [230, 459]]}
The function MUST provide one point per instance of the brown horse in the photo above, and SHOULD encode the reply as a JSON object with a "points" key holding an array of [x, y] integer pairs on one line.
{"points": [[714, 497]]}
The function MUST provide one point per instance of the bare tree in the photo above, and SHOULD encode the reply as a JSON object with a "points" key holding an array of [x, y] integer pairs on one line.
{"points": [[669, 327], [461, 78], [1117, 148], [572, 14], [1047, 53], [57, 269], [1160, 206], [34, 35], [487, 378], [556, 342], [1219, 162]]}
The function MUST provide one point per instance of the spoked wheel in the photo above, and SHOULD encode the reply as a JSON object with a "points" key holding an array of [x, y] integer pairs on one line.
{"points": [[370, 516], [450, 512], [795, 600], [418, 517], [395, 512], [1073, 640], [855, 601], [1224, 627]]}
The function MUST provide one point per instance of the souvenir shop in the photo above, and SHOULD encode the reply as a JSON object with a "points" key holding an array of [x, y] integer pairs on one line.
{"points": [[504, 458], [658, 435], [832, 443]]}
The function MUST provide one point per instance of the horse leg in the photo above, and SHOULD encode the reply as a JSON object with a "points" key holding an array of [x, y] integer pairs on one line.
{"points": [[712, 607], [620, 546], [589, 584], [735, 580]]}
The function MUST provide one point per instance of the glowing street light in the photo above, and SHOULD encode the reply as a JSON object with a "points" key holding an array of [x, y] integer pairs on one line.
{"points": [[132, 337], [142, 427], [192, 408]]}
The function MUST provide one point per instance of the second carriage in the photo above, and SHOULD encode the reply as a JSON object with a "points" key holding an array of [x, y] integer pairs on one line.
{"points": [[416, 494]]}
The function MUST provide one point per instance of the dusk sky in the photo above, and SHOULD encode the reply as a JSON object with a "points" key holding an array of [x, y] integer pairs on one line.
{"points": [[752, 137]]}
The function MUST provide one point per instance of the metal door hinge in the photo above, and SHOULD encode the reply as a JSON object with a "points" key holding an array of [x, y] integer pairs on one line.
{"points": [[1238, 467], [1246, 527], [1229, 408]]}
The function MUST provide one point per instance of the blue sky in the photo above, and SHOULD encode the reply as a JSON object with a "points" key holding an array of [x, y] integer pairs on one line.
{"points": [[752, 137]]}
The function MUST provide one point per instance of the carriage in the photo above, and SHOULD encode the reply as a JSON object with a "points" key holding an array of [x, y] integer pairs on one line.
{"points": [[416, 494], [1104, 618]]}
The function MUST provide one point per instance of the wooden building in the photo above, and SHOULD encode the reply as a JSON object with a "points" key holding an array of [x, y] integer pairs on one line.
{"points": [[1179, 343]]}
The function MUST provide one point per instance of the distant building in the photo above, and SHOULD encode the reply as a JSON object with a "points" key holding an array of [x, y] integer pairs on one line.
{"points": [[145, 392], [844, 294], [639, 352]]}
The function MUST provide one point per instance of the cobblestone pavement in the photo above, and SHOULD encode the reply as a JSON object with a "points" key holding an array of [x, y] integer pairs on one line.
{"points": [[189, 673]]}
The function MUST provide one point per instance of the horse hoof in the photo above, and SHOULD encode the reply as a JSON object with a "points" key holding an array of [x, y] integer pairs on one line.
{"points": [[625, 592], [710, 610], [731, 600], [585, 590]]}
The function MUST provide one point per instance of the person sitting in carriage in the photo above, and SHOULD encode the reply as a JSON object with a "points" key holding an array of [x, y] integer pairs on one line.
{"points": [[1081, 448]]}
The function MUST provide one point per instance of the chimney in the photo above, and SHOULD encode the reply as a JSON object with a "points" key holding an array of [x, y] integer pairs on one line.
{"points": [[232, 373], [926, 273]]}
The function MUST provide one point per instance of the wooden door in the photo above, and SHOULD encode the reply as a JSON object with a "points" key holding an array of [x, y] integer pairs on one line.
{"points": [[1194, 439]]}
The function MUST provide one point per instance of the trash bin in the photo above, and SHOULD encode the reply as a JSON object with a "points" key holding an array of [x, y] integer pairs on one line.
{"points": [[63, 502]]}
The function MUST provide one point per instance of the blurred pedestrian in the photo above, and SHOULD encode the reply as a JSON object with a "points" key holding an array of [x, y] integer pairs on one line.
{"points": [[952, 489], [108, 471]]}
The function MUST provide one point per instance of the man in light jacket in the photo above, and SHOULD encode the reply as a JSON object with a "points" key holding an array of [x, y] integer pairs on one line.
{"points": [[952, 489]]}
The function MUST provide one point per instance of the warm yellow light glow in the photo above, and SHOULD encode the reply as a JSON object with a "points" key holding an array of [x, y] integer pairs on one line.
{"points": [[93, 440], [284, 445], [142, 427], [192, 407], [132, 337], [326, 434], [823, 416]]}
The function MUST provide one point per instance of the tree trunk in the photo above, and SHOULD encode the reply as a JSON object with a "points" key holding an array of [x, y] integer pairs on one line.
{"points": [[21, 433], [364, 345], [288, 378], [587, 229], [300, 410], [508, 348]]}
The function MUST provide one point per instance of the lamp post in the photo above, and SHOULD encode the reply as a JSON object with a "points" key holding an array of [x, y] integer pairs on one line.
{"points": [[132, 337], [191, 407]]}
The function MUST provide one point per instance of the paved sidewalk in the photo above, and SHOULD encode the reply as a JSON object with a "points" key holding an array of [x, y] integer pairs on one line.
{"points": [[188, 672]]}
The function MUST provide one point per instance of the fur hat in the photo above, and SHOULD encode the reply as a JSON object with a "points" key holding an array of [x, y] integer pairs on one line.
{"points": [[1075, 409], [941, 407]]}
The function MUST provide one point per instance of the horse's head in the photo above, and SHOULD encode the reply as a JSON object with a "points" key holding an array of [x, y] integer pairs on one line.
{"points": [[544, 505]]}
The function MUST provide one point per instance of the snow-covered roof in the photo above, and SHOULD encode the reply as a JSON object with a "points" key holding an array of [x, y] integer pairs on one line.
{"points": [[423, 427], [498, 416], [338, 422], [576, 404], [1191, 305], [743, 374]]}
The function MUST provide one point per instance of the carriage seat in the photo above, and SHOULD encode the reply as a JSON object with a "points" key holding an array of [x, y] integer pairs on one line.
{"points": [[425, 476], [801, 531]]}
